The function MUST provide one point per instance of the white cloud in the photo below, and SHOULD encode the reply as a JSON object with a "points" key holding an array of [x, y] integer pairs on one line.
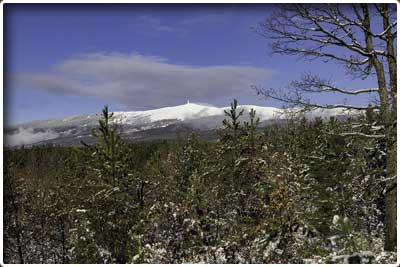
{"points": [[27, 136], [155, 24], [146, 24], [139, 81]]}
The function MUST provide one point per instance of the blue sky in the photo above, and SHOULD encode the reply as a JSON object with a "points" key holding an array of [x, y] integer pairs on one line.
{"points": [[65, 60]]}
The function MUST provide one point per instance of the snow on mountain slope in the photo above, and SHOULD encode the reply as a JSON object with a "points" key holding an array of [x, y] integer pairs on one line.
{"points": [[192, 111], [182, 112], [189, 116], [189, 111]]}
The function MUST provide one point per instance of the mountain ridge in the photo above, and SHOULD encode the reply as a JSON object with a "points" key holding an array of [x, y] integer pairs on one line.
{"points": [[135, 124]]}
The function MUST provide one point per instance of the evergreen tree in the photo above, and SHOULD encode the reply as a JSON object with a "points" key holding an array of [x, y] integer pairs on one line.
{"points": [[108, 216]]}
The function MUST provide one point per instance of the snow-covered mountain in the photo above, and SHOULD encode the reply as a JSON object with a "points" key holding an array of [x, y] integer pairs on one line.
{"points": [[162, 123], [186, 112]]}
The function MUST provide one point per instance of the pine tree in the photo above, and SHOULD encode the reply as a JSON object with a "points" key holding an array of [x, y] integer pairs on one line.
{"points": [[114, 199]]}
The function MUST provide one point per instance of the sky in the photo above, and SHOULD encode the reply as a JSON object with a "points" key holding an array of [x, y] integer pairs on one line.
{"points": [[64, 60]]}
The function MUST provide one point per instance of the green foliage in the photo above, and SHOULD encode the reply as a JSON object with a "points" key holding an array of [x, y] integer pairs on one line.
{"points": [[347, 239], [257, 195], [233, 124], [113, 201], [109, 156]]}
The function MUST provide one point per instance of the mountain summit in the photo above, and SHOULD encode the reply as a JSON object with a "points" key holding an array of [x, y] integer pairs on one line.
{"points": [[186, 112]]}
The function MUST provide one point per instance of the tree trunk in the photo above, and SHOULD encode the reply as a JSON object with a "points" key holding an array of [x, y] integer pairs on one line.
{"points": [[391, 194], [389, 121], [391, 58], [391, 219]]}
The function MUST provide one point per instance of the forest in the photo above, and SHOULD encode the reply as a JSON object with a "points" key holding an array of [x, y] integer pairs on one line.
{"points": [[295, 192], [299, 190]]}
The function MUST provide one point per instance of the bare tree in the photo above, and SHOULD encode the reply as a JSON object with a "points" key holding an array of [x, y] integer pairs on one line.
{"points": [[361, 38]]}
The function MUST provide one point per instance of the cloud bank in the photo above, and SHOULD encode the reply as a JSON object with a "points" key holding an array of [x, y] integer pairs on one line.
{"points": [[138, 81], [27, 136]]}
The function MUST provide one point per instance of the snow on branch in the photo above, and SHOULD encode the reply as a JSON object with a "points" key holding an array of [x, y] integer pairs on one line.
{"points": [[389, 178], [361, 135]]}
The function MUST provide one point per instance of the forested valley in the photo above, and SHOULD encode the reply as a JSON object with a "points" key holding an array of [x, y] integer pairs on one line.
{"points": [[299, 191]]}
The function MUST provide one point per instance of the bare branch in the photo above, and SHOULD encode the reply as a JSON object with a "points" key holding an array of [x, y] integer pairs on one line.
{"points": [[311, 30], [296, 98], [339, 33], [313, 84]]}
